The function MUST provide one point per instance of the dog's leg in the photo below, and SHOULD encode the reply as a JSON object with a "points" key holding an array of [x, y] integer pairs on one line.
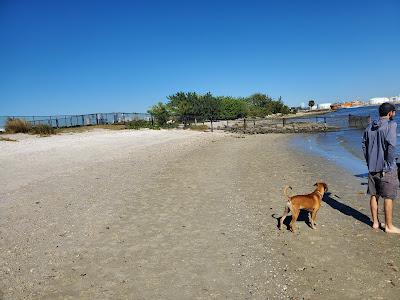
{"points": [[285, 213], [314, 218], [310, 219], [295, 215]]}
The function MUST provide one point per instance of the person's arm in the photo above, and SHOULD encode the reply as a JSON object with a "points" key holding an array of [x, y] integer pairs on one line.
{"points": [[365, 145], [391, 140]]}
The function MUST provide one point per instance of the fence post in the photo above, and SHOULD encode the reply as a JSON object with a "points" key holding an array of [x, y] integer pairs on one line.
{"points": [[56, 122], [283, 122], [325, 120], [212, 129], [244, 123]]}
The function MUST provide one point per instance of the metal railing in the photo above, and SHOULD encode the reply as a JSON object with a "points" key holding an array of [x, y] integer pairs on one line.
{"points": [[60, 121]]}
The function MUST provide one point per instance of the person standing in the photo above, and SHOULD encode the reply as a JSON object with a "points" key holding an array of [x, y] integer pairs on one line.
{"points": [[379, 148]]}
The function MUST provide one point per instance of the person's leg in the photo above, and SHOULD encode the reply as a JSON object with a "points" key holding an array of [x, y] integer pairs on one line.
{"points": [[373, 189], [389, 227], [373, 202]]}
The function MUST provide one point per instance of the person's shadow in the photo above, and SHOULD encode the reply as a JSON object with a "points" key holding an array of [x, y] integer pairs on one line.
{"points": [[345, 209]]}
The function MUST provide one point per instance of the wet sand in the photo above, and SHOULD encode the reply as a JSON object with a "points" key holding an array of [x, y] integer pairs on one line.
{"points": [[182, 215]]}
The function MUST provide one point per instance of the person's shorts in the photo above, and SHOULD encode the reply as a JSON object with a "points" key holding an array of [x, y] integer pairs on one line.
{"points": [[383, 184]]}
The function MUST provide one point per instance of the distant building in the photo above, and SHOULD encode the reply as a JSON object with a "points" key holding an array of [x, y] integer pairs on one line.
{"points": [[324, 106], [378, 100], [394, 99]]}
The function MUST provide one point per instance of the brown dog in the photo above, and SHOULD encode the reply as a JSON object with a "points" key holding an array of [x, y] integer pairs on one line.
{"points": [[310, 202]]}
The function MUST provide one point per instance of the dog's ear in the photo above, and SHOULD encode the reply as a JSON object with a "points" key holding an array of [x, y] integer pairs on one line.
{"points": [[316, 184], [325, 186]]}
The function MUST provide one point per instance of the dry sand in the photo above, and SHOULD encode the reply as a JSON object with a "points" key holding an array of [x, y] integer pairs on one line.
{"points": [[182, 215]]}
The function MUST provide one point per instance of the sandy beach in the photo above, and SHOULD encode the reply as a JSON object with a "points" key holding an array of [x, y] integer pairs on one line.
{"points": [[182, 215]]}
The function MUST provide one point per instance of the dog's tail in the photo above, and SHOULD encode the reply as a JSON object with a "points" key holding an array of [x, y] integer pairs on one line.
{"points": [[285, 191]]}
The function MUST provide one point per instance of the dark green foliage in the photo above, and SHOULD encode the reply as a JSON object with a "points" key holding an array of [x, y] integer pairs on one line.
{"points": [[210, 107], [160, 113], [261, 105], [311, 103], [233, 108], [188, 107]]}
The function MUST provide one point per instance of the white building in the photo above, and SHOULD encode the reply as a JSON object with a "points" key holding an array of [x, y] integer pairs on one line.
{"points": [[378, 100], [394, 99], [324, 106]]}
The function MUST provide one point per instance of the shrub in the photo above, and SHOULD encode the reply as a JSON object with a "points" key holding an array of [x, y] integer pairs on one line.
{"points": [[170, 125], [6, 139], [199, 127], [17, 126], [43, 129], [138, 124], [161, 113]]}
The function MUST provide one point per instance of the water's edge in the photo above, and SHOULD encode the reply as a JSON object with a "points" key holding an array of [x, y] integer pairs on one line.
{"points": [[341, 148]]}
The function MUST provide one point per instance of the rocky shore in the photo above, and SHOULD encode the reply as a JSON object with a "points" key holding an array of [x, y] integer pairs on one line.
{"points": [[296, 127]]}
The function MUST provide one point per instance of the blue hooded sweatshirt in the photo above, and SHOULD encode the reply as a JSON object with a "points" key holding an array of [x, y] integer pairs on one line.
{"points": [[379, 145]]}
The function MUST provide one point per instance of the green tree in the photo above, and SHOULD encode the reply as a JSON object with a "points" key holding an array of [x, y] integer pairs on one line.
{"points": [[160, 112], [277, 106], [259, 100], [232, 108], [181, 106], [211, 107]]}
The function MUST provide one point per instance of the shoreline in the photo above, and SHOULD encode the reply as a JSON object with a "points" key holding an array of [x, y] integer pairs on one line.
{"points": [[178, 214], [333, 147]]}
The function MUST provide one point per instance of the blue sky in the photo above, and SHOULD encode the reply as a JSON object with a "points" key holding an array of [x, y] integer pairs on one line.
{"points": [[67, 57]]}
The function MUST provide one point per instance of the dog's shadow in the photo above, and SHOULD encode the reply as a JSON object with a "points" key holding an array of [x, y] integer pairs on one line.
{"points": [[339, 206], [303, 217]]}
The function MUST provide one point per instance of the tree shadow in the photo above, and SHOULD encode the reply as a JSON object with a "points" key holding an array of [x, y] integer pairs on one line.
{"points": [[346, 210]]}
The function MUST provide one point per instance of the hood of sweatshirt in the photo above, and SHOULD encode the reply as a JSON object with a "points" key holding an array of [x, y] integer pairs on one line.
{"points": [[378, 123]]}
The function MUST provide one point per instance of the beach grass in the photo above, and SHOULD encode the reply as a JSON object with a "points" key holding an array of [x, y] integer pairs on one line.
{"points": [[89, 128], [43, 130], [198, 127], [17, 126], [6, 139]]}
